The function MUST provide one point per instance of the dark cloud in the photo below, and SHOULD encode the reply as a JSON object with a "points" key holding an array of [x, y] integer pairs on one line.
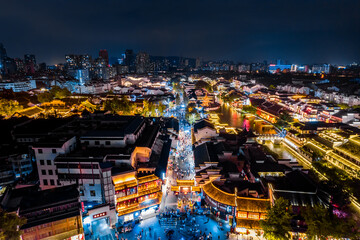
{"points": [[242, 30]]}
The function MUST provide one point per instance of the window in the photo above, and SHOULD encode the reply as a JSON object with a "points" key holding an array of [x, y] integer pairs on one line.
{"points": [[107, 143], [42, 162], [48, 162], [45, 182], [43, 172], [91, 184], [52, 182], [50, 172], [92, 193], [86, 143], [40, 151], [97, 142], [81, 192], [58, 182], [53, 150]]}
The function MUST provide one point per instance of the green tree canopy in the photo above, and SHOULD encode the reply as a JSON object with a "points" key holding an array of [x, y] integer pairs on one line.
{"points": [[45, 97], [177, 99], [202, 84], [322, 224], [249, 109], [284, 119], [278, 222], [9, 225], [120, 106], [59, 93], [9, 107]]}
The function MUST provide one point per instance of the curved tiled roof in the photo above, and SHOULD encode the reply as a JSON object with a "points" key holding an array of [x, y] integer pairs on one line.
{"points": [[219, 195], [243, 203]]}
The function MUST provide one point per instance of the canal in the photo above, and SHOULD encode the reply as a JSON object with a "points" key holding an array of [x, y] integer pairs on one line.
{"points": [[229, 116], [234, 119]]}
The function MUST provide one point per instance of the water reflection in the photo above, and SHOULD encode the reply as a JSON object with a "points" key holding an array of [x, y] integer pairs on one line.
{"points": [[230, 116], [281, 150], [235, 119]]}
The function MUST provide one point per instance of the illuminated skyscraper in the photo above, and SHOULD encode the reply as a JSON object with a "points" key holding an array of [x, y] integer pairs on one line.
{"points": [[78, 61], [103, 53]]}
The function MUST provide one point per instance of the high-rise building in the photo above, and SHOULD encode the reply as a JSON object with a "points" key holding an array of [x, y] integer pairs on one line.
{"points": [[130, 60], [197, 63], [103, 53], [20, 67], [78, 61], [9, 65], [30, 58], [30, 63], [80, 74], [3, 56], [321, 68], [142, 62]]}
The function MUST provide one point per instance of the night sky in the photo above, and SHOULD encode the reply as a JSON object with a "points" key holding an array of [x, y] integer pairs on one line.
{"points": [[306, 31]]}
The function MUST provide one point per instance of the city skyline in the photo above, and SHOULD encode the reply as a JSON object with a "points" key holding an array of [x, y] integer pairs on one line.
{"points": [[191, 120], [238, 31]]}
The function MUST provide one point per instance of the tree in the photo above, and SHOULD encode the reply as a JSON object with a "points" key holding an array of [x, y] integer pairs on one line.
{"points": [[146, 108], [318, 222], [284, 119], [322, 224], [249, 109], [120, 106], [45, 97], [58, 92], [64, 92], [202, 84], [344, 106], [278, 222], [9, 225], [161, 108], [177, 87], [177, 99], [9, 107]]}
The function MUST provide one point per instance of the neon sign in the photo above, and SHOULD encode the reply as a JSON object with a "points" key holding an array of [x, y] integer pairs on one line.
{"points": [[99, 215]]}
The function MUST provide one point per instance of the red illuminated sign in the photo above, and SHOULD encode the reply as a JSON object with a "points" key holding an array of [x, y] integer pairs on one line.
{"points": [[99, 215], [82, 207]]}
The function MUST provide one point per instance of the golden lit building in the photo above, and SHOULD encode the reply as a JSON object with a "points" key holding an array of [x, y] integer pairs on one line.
{"points": [[248, 211], [135, 196]]}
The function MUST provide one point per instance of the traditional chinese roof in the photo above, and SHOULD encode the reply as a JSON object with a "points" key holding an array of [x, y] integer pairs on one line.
{"points": [[243, 203], [148, 178], [202, 124], [31, 111]]}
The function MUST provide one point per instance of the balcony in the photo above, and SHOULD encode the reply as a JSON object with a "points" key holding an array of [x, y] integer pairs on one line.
{"points": [[139, 194], [137, 207]]}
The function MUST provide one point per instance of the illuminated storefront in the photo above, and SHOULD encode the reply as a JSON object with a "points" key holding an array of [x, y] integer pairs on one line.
{"points": [[99, 216], [248, 211], [136, 195]]}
